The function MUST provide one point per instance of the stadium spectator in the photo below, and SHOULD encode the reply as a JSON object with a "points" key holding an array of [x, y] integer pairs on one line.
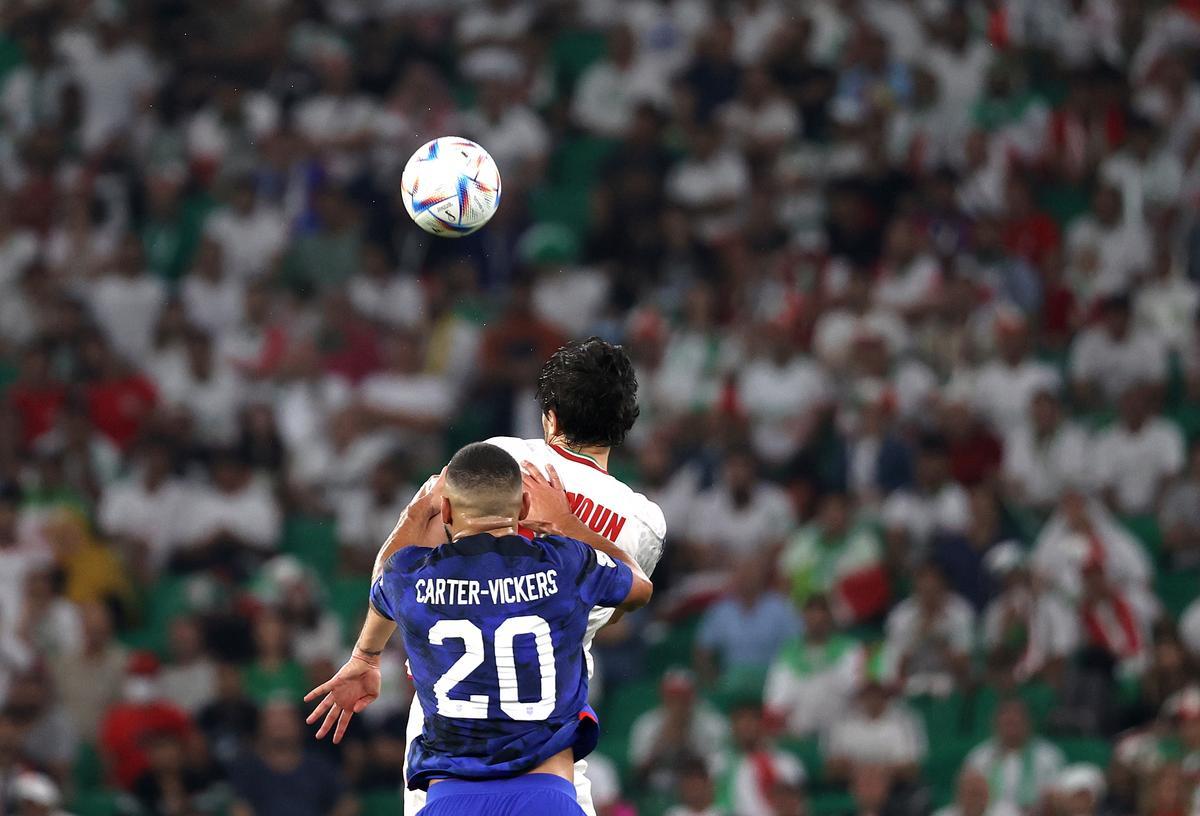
{"points": [[695, 792], [91, 681], [1045, 454], [930, 636], [839, 559], [189, 680], [972, 798], [280, 777], [140, 712], [880, 734], [664, 739], [1112, 355], [1079, 790], [743, 515], [230, 720], [749, 772], [1020, 769], [740, 635], [1150, 450], [812, 680]]}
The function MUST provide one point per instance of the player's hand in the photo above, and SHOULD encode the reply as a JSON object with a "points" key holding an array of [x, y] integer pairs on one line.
{"points": [[352, 689], [549, 510], [427, 503]]}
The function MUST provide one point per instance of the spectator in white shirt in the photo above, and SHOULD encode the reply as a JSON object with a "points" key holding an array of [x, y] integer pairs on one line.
{"points": [[1167, 302], [389, 296], [815, 676], [203, 391], [1046, 453], [113, 75], [930, 636], [610, 90], [515, 136], [1020, 767], [1106, 249], [959, 63], [231, 524], [755, 765], [781, 390], [1003, 386], [338, 122], [740, 515], [127, 301], [972, 798], [679, 729], [934, 504], [211, 296], [1148, 176], [251, 234], [494, 22], [1114, 354], [142, 510], [1179, 518], [1028, 632], [1136, 458], [402, 395], [189, 678], [1082, 531], [695, 791], [710, 184], [760, 119], [877, 732]]}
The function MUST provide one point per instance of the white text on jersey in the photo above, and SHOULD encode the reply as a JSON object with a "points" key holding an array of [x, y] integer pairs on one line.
{"points": [[508, 590]]}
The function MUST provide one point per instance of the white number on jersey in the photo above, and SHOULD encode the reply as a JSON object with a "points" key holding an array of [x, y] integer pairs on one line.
{"points": [[476, 707]]}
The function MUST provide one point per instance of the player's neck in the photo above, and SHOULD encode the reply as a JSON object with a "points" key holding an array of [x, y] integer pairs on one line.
{"points": [[492, 525], [596, 453]]}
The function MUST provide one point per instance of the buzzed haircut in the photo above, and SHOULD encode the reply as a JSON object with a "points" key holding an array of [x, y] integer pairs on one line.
{"points": [[485, 477]]}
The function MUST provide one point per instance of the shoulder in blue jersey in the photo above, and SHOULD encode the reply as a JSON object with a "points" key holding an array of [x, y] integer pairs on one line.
{"points": [[494, 630]]}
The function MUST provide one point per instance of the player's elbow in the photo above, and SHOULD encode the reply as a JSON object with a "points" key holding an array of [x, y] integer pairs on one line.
{"points": [[639, 594]]}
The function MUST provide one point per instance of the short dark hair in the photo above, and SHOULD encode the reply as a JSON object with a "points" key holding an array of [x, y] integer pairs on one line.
{"points": [[482, 469], [592, 389]]}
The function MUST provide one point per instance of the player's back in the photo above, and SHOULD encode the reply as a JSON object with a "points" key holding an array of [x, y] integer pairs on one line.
{"points": [[494, 629]]}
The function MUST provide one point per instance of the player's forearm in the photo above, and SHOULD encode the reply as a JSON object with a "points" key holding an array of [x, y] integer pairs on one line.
{"points": [[409, 531], [376, 632], [641, 589]]}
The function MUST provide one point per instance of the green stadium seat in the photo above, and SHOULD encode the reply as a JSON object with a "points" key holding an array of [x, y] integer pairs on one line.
{"points": [[832, 803], [675, 649], [573, 53], [89, 769], [166, 599], [313, 541], [1177, 590], [348, 600], [565, 205], [381, 804], [579, 161], [1145, 529], [104, 802], [1083, 749]]}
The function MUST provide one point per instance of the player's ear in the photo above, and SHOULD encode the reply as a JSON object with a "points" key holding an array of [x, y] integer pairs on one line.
{"points": [[525, 505], [447, 511], [550, 424]]}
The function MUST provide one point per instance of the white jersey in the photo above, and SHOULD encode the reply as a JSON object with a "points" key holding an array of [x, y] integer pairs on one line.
{"points": [[610, 508]]}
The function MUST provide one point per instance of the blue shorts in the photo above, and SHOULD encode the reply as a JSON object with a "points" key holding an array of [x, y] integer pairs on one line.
{"points": [[540, 793]]}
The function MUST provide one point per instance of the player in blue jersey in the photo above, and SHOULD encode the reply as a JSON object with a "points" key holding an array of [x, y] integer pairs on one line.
{"points": [[494, 625]]}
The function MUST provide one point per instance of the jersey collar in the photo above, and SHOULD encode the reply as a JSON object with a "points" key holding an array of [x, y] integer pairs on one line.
{"points": [[575, 456]]}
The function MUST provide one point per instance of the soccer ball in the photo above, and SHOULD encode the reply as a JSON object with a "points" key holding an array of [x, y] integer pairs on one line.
{"points": [[451, 187]]}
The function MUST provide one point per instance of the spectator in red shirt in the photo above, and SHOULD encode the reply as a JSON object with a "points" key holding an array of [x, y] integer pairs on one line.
{"points": [[143, 713], [36, 397], [119, 400], [1029, 233]]}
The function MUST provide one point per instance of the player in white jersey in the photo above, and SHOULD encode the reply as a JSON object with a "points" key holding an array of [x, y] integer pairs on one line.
{"points": [[588, 395]]}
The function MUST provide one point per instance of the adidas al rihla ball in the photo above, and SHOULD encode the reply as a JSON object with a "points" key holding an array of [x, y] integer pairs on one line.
{"points": [[451, 187]]}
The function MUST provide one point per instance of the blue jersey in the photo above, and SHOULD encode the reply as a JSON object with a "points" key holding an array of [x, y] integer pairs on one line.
{"points": [[494, 630]]}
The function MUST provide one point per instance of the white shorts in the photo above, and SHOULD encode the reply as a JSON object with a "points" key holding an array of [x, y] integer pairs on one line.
{"points": [[414, 800]]}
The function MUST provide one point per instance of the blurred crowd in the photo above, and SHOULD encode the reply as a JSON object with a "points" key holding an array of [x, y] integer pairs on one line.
{"points": [[911, 287]]}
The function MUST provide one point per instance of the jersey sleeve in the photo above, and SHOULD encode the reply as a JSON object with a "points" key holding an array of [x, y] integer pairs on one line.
{"points": [[386, 590], [601, 581]]}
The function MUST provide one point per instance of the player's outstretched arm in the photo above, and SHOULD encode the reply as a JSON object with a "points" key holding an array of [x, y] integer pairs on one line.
{"points": [[356, 684], [549, 512], [419, 524]]}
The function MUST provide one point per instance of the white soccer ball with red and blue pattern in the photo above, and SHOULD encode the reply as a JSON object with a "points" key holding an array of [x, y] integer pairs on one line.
{"points": [[451, 187]]}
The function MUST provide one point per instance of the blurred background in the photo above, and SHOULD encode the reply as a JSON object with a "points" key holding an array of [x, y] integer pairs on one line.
{"points": [[911, 286]]}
